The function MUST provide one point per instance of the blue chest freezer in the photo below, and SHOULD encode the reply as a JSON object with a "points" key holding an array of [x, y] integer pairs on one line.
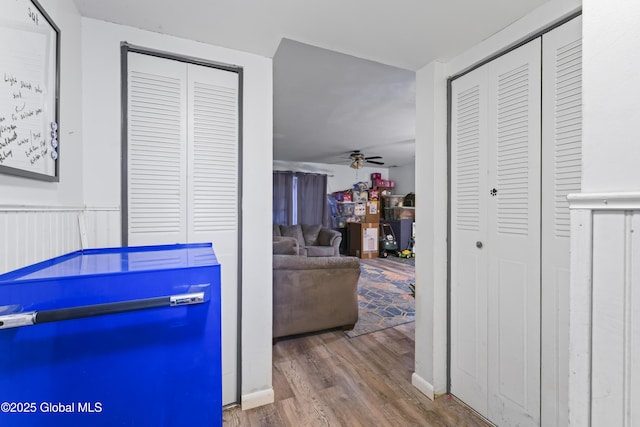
{"points": [[113, 337]]}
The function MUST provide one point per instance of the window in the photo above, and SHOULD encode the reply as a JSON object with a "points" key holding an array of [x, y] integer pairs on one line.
{"points": [[299, 198]]}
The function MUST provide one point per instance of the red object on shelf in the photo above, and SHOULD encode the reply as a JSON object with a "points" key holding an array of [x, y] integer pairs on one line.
{"points": [[376, 175]]}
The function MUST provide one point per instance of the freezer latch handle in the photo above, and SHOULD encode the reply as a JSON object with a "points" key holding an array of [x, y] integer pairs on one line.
{"points": [[17, 320], [186, 299]]}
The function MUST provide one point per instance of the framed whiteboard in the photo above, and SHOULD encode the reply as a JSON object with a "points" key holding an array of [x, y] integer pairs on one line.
{"points": [[29, 91]]}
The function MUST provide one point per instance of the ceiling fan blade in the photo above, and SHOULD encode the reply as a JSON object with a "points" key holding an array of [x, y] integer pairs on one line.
{"points": [[374, 157], [375, 163]]}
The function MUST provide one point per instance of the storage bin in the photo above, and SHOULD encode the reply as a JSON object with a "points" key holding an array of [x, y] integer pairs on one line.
{"points": [[399, 212], [376, 175], [393, 200]]}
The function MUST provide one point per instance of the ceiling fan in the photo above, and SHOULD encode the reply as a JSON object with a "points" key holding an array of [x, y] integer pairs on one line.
{"points": [[358, 159]]}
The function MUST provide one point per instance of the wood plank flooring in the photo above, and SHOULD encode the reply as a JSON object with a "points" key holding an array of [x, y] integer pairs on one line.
{"points": [[328, 379], [389, 265]]}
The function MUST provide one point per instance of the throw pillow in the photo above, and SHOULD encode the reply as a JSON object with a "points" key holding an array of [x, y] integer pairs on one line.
{"points": [[293, 231], [310, 233], [324, 237], [276, 230]]}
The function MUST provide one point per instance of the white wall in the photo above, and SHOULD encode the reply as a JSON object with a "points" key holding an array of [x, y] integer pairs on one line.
{"points": [[38, 220], [339, 177], [611, 63], [431, 230], [102, 184], [604, 327], [431, 187], [405, 178]]}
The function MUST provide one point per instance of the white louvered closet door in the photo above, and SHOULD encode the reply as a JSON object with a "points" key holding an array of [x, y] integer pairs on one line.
{"points": [[513, 241], [213, 192], [468, 230], [156, 151], [528, 160], [495, 238], [183, 163], [561, 175]]}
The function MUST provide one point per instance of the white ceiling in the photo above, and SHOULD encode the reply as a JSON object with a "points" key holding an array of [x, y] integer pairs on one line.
{"points": [[327, 103]]}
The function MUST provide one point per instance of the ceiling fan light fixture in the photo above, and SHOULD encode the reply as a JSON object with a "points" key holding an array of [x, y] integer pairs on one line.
{"points": [[357, 164], [358, 160]]}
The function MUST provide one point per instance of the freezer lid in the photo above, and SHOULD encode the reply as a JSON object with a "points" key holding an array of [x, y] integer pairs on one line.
{"points": [[114, 261]]}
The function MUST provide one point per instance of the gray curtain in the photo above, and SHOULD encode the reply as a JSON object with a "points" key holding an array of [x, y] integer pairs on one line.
{"points": [[300, 198], [283, 197], [312, 198]]}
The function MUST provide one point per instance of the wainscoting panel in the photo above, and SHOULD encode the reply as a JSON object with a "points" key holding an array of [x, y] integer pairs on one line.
{"points": [[605, 310], [103, 227], [30, 235], [616, 318], [36, 233]]}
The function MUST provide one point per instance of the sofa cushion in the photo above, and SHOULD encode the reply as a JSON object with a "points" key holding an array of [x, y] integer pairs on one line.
{"points": [[324, 251], [276, 230], [310, 233], [293, 231]]}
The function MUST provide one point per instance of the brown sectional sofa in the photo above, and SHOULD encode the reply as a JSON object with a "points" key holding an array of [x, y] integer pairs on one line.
{"points": [[312, 293]]}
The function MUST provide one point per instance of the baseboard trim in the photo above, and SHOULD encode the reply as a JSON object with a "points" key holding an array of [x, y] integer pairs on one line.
{"points": [[257, 398], [424, 386]]}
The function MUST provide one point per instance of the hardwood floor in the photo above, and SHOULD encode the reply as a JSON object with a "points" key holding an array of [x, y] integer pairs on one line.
{"points": [[390, 265], [328, 379]]}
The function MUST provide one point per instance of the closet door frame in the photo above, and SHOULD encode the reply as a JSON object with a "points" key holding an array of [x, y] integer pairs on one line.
{"points": [[125, 49], [450, 159]]}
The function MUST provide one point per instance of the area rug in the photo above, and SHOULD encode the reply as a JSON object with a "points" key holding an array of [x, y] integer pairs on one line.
{"points": [[384, 298]]}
